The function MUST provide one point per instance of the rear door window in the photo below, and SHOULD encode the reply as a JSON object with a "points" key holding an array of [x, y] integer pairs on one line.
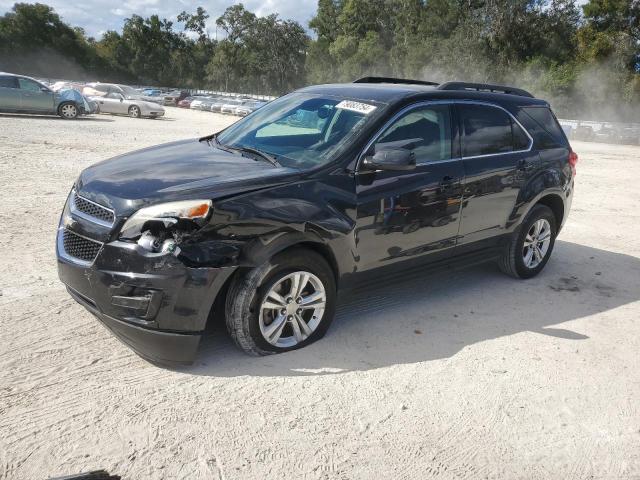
{"points": [[8, 82], [489, 130]]}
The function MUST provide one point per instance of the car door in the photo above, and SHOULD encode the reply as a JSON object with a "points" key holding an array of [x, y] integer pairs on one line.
{"points": [[411, 214], [497, 158], [9, 93], [111, 103], [35, 97]]}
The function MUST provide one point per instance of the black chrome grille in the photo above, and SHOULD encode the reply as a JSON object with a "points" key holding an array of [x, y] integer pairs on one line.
{"points": [[80, 247], [92, 209]]}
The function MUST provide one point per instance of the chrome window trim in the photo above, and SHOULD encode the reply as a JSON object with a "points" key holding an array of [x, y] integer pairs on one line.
{"points": [[89, 218], [71, 259], [514, 119], [427, 103]]}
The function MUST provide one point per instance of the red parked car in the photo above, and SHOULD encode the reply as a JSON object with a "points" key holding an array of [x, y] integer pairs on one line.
{"points": [[185, 102]]}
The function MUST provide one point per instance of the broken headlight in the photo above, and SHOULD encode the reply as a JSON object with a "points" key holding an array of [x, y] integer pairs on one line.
{"points": [[160, 227]]}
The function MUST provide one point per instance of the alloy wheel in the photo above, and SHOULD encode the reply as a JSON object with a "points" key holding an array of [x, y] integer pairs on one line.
{"points": [[536, 243], [292, 309]]}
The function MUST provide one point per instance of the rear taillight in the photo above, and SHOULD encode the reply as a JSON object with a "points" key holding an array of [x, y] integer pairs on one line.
{"points": [[573, 160]]}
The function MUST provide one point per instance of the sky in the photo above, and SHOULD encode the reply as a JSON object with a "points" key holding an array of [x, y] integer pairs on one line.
{"points": [[97, 16]]}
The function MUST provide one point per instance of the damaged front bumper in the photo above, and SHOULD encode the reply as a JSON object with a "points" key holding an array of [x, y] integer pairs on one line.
{"points": [[153, 302]]}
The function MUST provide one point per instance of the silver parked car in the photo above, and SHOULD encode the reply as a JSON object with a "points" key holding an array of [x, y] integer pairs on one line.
{"points": [[20, 94], [116, 103], [129, 93]]}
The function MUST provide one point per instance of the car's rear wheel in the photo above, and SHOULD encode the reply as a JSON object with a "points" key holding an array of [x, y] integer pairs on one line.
{"points": [[530, 247], [68, 111], [134, 111], [284, 304]]}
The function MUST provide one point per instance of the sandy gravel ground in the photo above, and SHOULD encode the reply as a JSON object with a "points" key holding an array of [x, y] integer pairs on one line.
{"points": [[465, 375]]}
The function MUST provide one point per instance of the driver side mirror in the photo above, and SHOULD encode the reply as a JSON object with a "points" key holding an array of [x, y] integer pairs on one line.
{"points": [[395, 159], [394, 156], [45, 90]]}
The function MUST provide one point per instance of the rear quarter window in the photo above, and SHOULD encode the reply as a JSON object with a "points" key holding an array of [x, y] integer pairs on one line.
{"points": [[543, 127]]}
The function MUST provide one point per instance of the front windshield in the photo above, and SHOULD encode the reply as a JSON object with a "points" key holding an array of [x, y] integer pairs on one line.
{"points": [[302, 130]]}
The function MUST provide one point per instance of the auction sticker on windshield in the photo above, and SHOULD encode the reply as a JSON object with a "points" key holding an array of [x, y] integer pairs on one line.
{"points": [[356, 106]]}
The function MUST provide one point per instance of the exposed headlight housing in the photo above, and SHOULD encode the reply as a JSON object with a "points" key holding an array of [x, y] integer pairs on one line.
{"points": [[165, 218]]}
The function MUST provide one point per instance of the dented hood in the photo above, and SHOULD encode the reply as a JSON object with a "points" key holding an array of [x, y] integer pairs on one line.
{"points": [[180, 170]]}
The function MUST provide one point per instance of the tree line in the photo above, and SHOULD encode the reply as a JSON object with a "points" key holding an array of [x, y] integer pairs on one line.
{"points": [[585, 60]]}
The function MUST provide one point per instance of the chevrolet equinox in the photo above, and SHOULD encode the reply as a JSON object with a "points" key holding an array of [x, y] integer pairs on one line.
{"points": [[316, 191]]}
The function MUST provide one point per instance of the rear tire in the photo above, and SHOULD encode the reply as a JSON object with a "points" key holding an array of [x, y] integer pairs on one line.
{"points": [[531, 245], [68, 111], [134, 111], [266, 311]]}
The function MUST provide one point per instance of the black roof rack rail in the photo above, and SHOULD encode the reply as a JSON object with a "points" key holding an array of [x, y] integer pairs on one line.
{"points": [[485, 87], [403, 81]]}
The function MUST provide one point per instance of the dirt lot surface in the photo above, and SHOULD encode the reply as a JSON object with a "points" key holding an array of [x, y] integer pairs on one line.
{"points": [[464, 375]]}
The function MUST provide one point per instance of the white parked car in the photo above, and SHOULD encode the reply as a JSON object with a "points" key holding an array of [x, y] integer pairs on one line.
{"points": [[248, 107], [196, 104], [230, 106], [116, 103]]}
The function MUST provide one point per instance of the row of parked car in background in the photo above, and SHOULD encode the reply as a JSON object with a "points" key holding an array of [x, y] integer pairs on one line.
{"points": [[240, 106], [232, 104], [602, 132], [68, 99]]}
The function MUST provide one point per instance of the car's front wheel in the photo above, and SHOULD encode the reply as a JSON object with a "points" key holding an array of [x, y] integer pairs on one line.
{"points": [[530, 247], [134, 111], [285, 304], [68, 111]]}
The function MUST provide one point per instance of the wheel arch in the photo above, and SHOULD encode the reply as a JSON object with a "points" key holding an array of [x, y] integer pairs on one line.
{"points": [[556, 204], [553, 198], [264, 248], [286, 243]]}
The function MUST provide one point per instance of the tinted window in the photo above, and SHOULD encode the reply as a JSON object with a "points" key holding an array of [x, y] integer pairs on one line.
{"points": [[487, 130], [26, 84], [430, 127], [520, 139], [544, 127], [8, 82]]}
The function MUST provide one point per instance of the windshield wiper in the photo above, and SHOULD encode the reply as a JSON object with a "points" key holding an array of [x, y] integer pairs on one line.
{"points": [[214, 139], [264, 155]]}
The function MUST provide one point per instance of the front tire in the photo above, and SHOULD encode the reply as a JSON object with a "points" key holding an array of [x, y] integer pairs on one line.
{"points": [[68, 111], [530, 247], [286, 303], [134, 111]]}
